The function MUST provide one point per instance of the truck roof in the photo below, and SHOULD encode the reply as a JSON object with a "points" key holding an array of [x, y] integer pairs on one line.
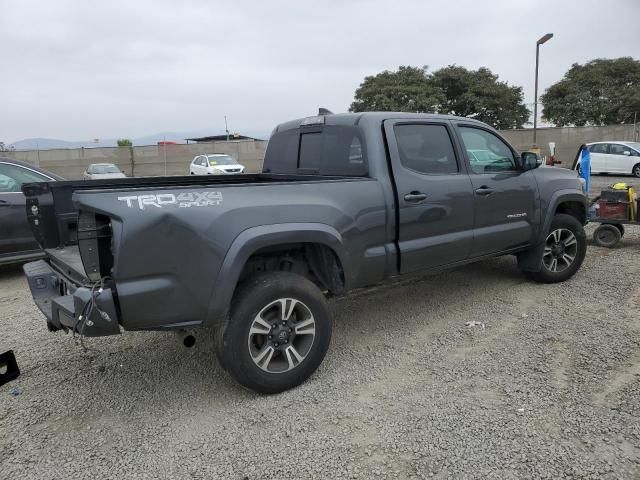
{"points": [[355, 118]]}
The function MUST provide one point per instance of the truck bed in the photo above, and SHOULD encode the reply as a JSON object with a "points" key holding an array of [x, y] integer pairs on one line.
{"points": [[54, 221]]}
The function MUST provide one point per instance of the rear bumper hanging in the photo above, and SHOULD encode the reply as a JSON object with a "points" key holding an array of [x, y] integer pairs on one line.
{"points": [[62, 302]]}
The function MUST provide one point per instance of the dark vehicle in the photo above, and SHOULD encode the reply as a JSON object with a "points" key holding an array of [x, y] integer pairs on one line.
{"points": [[344, 201], [17, 243]]}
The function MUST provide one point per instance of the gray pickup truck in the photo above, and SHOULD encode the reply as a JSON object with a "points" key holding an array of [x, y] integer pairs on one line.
{"points": [[344, 201]]}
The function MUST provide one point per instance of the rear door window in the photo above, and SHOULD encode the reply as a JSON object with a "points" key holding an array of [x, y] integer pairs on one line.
{"points": [[599, 148], [426, 149]]}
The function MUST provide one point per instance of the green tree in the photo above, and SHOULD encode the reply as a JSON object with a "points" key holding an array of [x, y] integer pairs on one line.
{"points": [[480, 95], [600, 92], [452, 90], [124, 142], [407, 90]]}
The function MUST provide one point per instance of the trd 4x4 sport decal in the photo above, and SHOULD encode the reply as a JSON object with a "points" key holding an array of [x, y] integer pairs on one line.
{"points": [[181, 200]]}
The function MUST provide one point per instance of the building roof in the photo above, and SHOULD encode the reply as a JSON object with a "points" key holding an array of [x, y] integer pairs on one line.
{"points": [[221, 138]]}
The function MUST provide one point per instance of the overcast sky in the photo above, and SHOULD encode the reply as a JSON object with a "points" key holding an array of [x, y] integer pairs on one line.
{"points": [[78, 70]]}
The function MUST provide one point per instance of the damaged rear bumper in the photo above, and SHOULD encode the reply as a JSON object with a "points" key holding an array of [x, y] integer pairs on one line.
{"points": [[63, 302]]}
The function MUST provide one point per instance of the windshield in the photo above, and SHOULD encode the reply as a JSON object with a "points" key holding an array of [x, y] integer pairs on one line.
{"points": [[221, 160], [104, 168], [634, 145]]}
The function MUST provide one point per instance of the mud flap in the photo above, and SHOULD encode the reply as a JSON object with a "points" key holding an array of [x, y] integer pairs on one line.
{"points": [[531, 260]]}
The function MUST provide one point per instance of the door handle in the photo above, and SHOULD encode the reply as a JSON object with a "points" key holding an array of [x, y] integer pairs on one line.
{"points": [[484, 191], [4, 203], [415, 196]]}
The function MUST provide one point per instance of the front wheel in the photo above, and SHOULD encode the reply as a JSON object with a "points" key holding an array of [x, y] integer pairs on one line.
{"points": [[636, 170], [564, 250], [277, 334]]}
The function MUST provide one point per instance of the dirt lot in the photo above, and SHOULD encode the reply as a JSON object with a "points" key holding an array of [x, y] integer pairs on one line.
{"points": [[549, 388]]}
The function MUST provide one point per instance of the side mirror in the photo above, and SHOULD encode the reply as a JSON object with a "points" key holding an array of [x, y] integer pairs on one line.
{"points": [[529, 161], [627, 153]]}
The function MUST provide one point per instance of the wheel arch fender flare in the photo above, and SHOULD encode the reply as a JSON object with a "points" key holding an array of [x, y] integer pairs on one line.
{"points": [[531, 259], [253, 239], [559, 197]]}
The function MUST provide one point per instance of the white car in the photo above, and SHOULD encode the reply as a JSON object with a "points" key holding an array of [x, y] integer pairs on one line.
{"points": [[215, 164], [614, 157], [96, 171]]}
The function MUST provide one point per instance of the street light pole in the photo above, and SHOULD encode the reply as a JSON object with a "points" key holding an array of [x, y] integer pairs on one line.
{"points": [[540, 41]]}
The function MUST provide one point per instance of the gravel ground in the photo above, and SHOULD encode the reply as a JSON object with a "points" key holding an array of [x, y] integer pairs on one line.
{"points": [[598, 182], [549, 387]]}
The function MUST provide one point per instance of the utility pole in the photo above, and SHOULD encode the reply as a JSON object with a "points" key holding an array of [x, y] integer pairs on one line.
{"points": [[540, 41], [226, 128]]}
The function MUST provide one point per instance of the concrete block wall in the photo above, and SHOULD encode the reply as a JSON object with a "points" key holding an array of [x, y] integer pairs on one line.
{"points": [[150, 160], [141, 161], [569, 139]]}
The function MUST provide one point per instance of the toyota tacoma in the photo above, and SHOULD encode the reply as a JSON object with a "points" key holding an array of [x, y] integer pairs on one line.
{"points": [[343, 201]]}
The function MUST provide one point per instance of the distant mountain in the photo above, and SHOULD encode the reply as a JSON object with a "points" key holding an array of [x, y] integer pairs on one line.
{"points": [[52, 143], [47, 143]]}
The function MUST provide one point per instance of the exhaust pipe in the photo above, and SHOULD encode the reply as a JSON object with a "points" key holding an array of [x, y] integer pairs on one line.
{"points": [[187, 338]]}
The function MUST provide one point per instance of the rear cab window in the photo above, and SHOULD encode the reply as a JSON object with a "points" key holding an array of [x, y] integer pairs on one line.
{"points": [[334, 150]]}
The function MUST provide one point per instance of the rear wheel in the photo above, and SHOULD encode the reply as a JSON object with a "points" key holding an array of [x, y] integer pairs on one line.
{"points": [[607, 235], [564, 249], [277, 334]]}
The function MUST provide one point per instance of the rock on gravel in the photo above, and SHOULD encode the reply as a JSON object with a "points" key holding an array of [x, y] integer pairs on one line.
{"points": [[549, 388]]}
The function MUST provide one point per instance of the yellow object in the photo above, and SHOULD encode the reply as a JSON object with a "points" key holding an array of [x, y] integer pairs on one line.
{"points": [[633, 210]]}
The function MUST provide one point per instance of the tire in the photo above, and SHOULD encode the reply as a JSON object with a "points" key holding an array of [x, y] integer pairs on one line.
{"points": [[267, 344], [566, 239], [607, 235], [635, 171], [620, 227]]}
